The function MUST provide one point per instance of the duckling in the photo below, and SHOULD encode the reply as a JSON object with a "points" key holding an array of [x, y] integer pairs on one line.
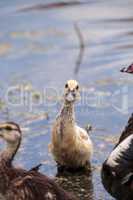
{"points": [[70, 145], [20, 184], [117, 170]]}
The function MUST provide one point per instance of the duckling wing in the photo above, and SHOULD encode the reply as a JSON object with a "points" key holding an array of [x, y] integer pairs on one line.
{"points": [[36, 168], [82, 133], [35, 186]]}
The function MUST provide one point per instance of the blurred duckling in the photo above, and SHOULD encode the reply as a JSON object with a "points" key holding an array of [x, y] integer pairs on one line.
{"points": [[16, 183], [71, 145]]}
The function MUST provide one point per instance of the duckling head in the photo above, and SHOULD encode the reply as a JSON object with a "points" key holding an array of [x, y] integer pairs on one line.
{"points": [[72, 92], [10, 132]]}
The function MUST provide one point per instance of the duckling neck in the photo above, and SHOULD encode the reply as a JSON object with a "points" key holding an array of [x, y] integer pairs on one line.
{"points": [[67, 112], [6, 158], [9, 152]]}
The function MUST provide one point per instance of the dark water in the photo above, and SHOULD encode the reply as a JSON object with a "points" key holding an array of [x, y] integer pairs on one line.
{"points": [[39, 48]]}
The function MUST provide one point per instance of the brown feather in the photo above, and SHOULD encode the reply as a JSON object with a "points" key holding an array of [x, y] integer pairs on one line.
{"points": [[20, 184]]}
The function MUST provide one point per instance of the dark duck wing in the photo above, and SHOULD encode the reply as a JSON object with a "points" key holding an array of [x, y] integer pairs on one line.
{"points": [[127, 131], [117, 170], [128, 69], [35, 186]]}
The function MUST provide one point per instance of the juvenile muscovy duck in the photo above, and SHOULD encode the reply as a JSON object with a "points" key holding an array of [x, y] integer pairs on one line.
{"points": [[20, 184], [117, 170], [71, 145]]}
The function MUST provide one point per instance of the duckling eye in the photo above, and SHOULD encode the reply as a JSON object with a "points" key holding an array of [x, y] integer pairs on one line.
{"points": [[77, 87], [8, 128], [66, 86]]}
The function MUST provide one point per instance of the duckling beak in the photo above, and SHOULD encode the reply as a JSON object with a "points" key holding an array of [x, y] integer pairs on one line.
{"points": [[70, 96]]}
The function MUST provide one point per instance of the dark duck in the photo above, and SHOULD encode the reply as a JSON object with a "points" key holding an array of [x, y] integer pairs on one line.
{"points": [[117, 170], [20, 184]]}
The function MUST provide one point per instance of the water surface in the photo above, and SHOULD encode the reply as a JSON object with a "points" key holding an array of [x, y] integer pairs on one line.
{"points": [[39, 48]]}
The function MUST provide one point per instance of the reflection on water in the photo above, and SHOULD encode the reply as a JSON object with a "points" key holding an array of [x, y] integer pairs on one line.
{"points": [[51, 5], [39, 49], [79, 183]]}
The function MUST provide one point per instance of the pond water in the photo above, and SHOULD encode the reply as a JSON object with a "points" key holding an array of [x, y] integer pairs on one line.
{"points": [[39, 51]]}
